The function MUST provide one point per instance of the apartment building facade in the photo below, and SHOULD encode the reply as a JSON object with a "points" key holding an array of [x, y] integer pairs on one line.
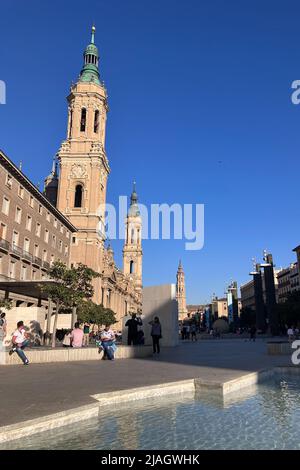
{"points": [[33, 233]]}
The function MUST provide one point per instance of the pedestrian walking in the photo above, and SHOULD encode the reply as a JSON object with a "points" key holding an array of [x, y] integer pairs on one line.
{"points": [[193, 332], [290, 333], [253, 333], [20, 341]]}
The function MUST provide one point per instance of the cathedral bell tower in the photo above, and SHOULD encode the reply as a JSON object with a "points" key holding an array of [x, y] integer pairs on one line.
{"points": [[83, 165], [180, 292], [132, 251]]}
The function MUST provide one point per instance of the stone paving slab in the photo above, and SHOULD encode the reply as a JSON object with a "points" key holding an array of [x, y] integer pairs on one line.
{"points": [[37, 390]]}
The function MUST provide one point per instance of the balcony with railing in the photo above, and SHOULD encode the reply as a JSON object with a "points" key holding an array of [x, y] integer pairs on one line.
{"points": [[36, 260], [46, 265], [27, 256], [17, 250], [4, 244]]}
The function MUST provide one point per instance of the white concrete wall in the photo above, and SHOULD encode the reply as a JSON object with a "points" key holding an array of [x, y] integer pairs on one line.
{"points": [[34, 319], [161, 301]]}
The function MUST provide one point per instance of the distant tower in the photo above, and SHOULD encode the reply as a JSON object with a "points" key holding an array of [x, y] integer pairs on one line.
{"points": [[132, 251], [51, 184], [180, 292]]}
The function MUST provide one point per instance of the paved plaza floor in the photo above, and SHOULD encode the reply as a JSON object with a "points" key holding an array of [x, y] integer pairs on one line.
{"points": [[42, 389]]}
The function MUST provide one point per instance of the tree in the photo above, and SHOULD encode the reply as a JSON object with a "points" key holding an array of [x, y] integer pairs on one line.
{"points": [[5, 303], [247, 317], [70, 288], [96, 314], [289, 311]]}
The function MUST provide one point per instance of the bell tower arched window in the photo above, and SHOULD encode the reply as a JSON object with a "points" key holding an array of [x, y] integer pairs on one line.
{"points": [[131, 267], [71, 123], [83, 120], [96, 121], [78, 196]]}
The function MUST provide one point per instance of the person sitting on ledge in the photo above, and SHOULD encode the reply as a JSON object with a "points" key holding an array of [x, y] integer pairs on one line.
{"points": [[108, 345], [77, 336]]}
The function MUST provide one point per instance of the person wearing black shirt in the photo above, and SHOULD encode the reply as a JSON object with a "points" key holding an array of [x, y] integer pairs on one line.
{"points": [[132, 326]]}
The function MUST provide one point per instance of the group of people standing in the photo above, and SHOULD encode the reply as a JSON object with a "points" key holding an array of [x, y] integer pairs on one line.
{"points": [[135, 333], [189, 329]]}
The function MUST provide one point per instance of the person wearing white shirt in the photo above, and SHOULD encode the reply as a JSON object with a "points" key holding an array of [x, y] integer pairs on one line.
{"points": [[20, 341], [107, 337]]}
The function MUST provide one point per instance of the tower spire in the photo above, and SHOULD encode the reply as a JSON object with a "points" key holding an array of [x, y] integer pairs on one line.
{"points": [[134, 196], [90, 71], [93, 34]]}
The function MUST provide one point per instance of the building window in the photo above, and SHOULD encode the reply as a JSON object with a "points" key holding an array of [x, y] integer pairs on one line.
{"points": [[31, 201], [33, 274], [21, 192], [36, 250], [29, 222], [96, 121], [48, 216], [46, 236], [15, 238], [18, 215], [61, 229], [67, 234], [12, 269], [40, 209], [60, 245], [3, 230], [83, 120], [5, 205], [9, 181], [78, 196], [23, 273], [38, 229], [52, 260], [26, 245], [53, 241], [66, 250], [45, 255], [55, 223], [73, 240]]}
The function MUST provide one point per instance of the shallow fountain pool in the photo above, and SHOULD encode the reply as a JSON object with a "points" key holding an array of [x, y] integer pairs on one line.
{"points": [[265, 416]]}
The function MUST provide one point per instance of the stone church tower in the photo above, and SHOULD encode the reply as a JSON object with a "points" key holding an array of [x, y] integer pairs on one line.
{"points": [[81, 193], [132, 251], [84, 166], [180, 292]]}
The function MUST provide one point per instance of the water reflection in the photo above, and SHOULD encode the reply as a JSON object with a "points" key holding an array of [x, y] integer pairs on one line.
{"points": [[257, 417]]}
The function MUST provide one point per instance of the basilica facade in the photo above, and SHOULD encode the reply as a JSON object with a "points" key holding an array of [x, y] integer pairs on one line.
{"points": [[77, 187]]}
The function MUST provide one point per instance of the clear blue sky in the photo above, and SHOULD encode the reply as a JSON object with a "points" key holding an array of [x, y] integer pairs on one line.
{"points": [[191, 83]]}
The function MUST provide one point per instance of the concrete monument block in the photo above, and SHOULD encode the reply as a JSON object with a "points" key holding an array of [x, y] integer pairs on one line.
{"points": [[161, 301]]}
